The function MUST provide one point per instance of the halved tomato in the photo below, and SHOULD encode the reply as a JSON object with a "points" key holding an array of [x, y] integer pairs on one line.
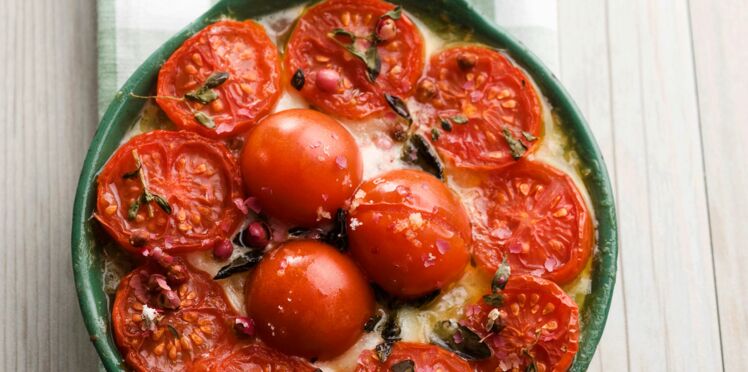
{"points": [[420, 357], [538, 324], [152, 337], [479, 102], [534, 215], [324, 47], [251, 90], [174, 190], [253, 357]]}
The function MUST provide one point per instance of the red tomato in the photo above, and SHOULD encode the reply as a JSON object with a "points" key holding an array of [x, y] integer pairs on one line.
{"points": [[253, 357], [197, 177], [426, 358], [301, 165], [535, 215], [245, 52], [307, 299], [484, 87], [409, 232], [345, 89], [540, 321], [178, 337]]}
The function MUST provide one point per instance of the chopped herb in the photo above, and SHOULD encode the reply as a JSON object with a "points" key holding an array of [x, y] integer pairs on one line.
{"points": [[495, 299], [394, 13], [243, 263], [338, 236], [528, 136], [132, 212], [370, 57], [373, 321], [515, 146], [391, 330], [446, 125], [297, 80], [397, 105], [501, 277], [459, 119], [420, 152], [205, 120], [406, 365], [133, 173], [461, 340], [205, 94], [161, 201], [383, 351], [216, 79], [173, 331], [435, 134]]}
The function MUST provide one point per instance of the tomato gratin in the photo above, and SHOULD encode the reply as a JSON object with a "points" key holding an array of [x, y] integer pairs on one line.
{"points": [[339, 187]]}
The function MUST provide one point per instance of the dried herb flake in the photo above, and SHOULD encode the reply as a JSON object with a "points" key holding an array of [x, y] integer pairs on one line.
{"points": [[406, 365], [298, 79], [243, 263], [205, 120], [515, 146], [398, 105]]}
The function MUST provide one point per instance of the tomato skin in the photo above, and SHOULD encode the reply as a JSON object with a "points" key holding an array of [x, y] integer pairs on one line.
{"points": [[204, 319], [301, 165], [535, 215], [427, 358], [492, 94], [538, 316], [182, 167], [312, 50], [242, 49], [409, 233], [253, 357], [308, 299]]}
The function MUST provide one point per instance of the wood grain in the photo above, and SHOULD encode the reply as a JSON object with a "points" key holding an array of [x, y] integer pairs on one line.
{"points": [[719, 36], [584, 62], [47, 76]]}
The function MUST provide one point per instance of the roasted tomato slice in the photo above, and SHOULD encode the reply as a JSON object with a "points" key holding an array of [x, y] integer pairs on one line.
{"points": [[324, 46], [155, 332], [534, 215], [479, 102], [538, 323], [241, 49], [192, 183], [424, 358], [252, 357]]}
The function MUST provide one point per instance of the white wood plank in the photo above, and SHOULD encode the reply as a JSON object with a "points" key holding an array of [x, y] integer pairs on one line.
{"points": [[719, 32], [47, 76], [583, 46], [671, 311]]}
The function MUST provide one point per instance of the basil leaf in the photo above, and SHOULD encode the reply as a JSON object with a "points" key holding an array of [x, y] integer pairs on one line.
{"points": [[370, 57], [215, 79], [459, 119], [338, 236], [383, 351], [446, 125], [161, 201], [435, 134], [515, 146], [420, 152], [470, 347], [406, 365], [528, 136], [397, 105], [501, 277], [394, 13], [243, 263], [205, 120], [297, 80]]}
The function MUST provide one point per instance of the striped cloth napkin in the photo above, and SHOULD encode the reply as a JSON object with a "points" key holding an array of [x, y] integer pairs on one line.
{"points": [[130, 30]]}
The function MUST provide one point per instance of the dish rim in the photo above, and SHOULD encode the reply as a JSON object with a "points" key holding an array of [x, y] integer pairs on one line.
{"points": [[87, 262]]}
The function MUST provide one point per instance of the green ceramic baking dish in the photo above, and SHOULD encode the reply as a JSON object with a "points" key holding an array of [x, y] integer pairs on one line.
{"points": [[88, 260]]}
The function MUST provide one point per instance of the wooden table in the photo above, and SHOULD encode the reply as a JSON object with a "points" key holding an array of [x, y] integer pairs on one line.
{"points": [[664, 84]]}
